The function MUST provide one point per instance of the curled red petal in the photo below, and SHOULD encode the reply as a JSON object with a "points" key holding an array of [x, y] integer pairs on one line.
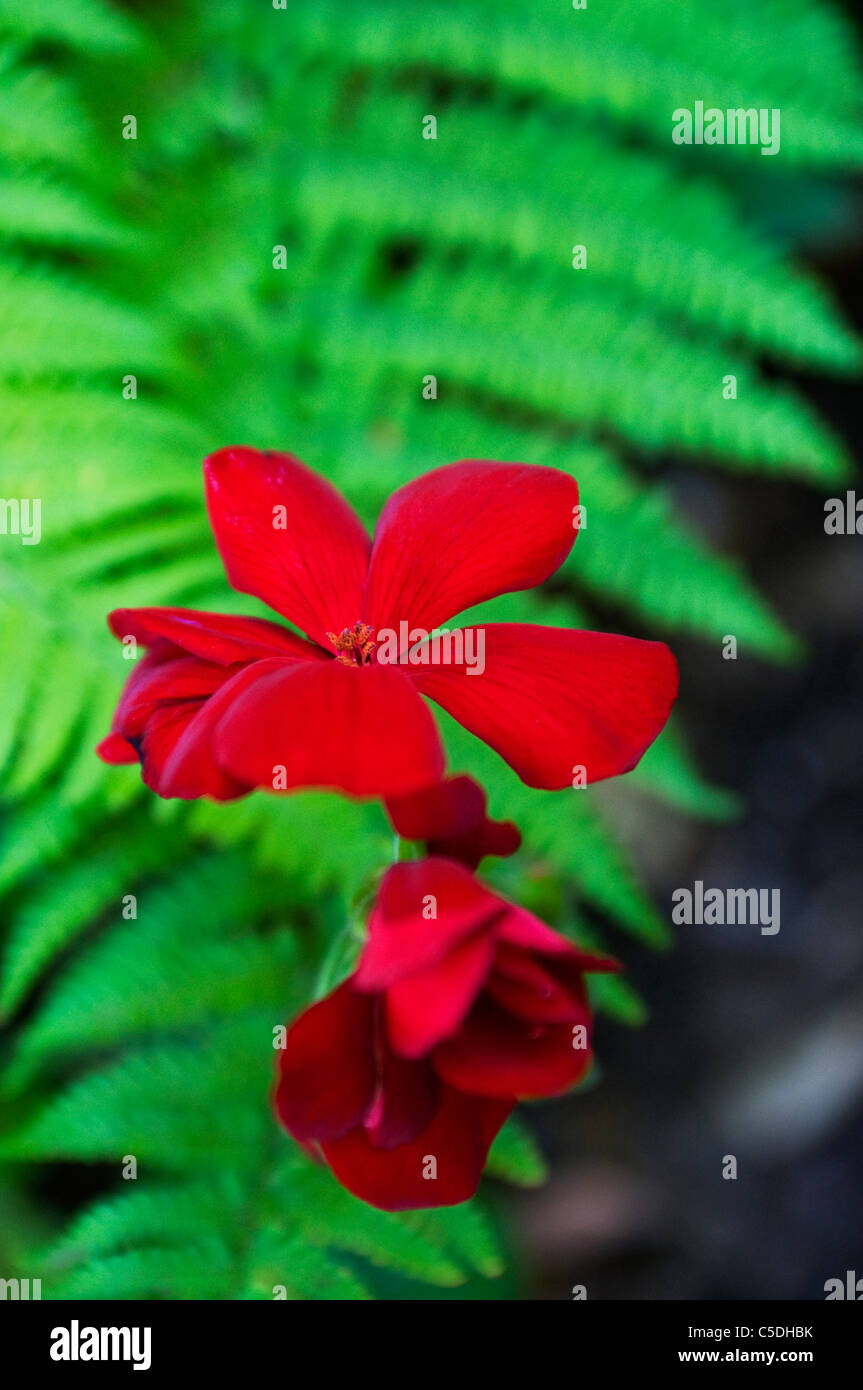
{"points": [[451, 818], [115, 749], [453, 806], [164, 677], [497, 837], [217, 637], [191, 768], [165, 726], [167, 715], [164, 695]]}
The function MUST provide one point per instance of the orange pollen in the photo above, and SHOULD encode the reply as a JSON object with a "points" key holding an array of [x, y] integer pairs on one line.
{"points": [[355, 646]]}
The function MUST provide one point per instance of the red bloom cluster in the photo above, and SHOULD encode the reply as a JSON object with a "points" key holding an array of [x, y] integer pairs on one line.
{"points": [[461, 1004]]}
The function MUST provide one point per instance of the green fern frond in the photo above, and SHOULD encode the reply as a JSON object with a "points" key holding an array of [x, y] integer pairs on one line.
{"points": [[636, 75], [183, 970], [303, 836], [53, 325], [515, 1156], [36, 834], [680, 245], [145, 1242], [50, 917], [600, 370], [41, 116], [91, 25], [36, 208]]}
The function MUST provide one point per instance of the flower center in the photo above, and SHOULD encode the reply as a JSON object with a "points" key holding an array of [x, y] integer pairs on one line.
{"points": [[355, 646]]}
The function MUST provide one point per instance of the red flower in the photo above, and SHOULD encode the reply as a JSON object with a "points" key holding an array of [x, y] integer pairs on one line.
{"points": [[451, 818], [224, 704], [461, 1003]]}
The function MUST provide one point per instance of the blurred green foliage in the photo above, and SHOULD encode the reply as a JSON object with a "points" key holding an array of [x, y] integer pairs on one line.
{"points": [[301, 128]]}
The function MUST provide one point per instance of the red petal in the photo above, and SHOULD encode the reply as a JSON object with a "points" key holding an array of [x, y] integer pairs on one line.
{"points": [[327, 1068], [452, 807], [191, 769], [168, 712], [426, 1008], [402, 940], [458, 1138], [520, 928], [451, 819], [500, 837], [496, 1054], [163, 677], [464, 533], [363, 730], [524, 985], [312, 570], [217, 637], [552, 701], [406, 1103], [163, 696], [116, 750], [164, 728]]}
